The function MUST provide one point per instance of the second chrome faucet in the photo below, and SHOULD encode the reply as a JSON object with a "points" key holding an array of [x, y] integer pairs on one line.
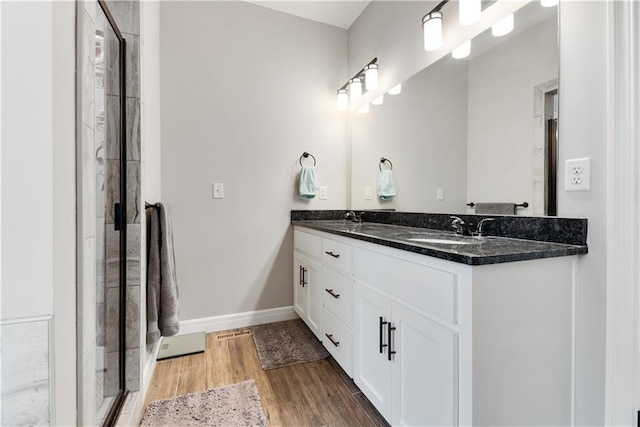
{"points": [[467, 229]]}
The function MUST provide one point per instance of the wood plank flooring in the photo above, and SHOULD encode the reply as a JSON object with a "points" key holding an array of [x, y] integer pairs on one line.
{"points": [[308, 394]]}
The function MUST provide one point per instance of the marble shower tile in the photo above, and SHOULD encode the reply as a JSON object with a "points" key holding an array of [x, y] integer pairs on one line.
{"points": [[90, 6], [133, 129], [112, 311], [112, 81], [538, 164], [113, 191], [25, 387], [88, 413], [132, 374], [88, 294], [133, 67], [539, 132], [100, 240], [113, 128], [100, 281], [133, 193], [111, 378], [127, 15], [88, 70], [133, 317], [88, 186], [101, 333], [101, 194]]}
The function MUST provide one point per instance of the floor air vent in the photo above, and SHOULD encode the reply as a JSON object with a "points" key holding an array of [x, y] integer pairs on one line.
{"points": [[233, 335]]}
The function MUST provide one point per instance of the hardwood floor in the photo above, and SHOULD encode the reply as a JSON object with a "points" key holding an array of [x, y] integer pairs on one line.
{"points": [[308, 394]]}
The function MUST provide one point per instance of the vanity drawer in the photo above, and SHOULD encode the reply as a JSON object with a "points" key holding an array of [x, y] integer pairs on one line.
{"points": [[338, 340], [337, 254], [337, 292], [307, 243], [431, 290]]}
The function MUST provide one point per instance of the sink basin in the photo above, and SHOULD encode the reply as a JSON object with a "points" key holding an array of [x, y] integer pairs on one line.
{"points": [[442, 241]]}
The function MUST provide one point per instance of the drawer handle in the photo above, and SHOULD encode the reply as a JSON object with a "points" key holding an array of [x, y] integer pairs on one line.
{"points": [[300, 275], [330, 292], [332, 254], [304, 279], [336, 343], [389, 332], [382, 323]]}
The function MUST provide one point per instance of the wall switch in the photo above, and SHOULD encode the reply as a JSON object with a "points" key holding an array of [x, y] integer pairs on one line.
{"points": [[578, 174], [440, 194], [367, 193], [218, 191], [323, 192]]}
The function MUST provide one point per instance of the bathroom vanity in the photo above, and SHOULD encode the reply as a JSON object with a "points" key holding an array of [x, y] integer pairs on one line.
{"points": [[439, 329]]}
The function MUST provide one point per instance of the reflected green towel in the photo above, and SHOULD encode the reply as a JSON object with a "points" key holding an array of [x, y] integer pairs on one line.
{"points": [[308, 182], [386, 185]]}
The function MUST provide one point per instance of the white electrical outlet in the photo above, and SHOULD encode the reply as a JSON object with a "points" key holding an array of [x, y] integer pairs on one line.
{"points": [[218, 191], [323, 192], [440, 194], [578, 174], [367, 193]]}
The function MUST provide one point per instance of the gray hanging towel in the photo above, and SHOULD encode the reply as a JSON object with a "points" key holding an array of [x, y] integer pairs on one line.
{"points": [[162, 286], [496, 208]]}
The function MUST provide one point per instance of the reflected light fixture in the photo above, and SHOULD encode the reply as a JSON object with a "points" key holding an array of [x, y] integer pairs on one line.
{"points": [[355, 89], [469, 11], [343, 99], [432, 27], [503, 26], [548, 3], [371, 77], [462, 51], [378, 101], [395, 90], [364, 109]]}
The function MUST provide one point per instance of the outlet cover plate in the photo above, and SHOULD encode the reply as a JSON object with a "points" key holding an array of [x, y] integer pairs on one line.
{"points": [[578, 174]]}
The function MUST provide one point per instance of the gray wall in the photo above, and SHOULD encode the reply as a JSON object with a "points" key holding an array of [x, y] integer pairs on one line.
{"points": [[245, 90]]}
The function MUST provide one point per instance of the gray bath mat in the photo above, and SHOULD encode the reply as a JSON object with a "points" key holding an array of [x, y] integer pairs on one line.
{"points": [[232, 405], [286, 343]]}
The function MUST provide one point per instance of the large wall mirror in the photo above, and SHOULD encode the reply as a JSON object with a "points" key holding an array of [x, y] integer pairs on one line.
{"points": [[477, 129]]}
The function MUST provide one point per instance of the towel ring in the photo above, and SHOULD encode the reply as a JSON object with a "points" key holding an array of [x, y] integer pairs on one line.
{"points": [[383, 160], [306, 155]]}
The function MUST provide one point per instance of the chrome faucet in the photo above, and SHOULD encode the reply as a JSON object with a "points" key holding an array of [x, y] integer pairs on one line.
{"points": [[459, 226], [354, 216], [480, 230]]}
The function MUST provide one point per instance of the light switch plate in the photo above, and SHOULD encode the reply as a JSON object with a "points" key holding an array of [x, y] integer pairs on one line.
{"points": [[440, 194], [323, 192], [578, 174], [218, 191], [367, 193]]}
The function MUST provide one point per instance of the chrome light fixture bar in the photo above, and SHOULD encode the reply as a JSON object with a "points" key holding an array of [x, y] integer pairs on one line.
{"points": [[352, 89]]}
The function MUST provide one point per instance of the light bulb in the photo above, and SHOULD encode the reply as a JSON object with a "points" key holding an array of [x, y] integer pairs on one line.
{"points": [[342, 100], [371, 77], [469, 11], [355, 89], [503, 27], [432, 26], [378, 101], [395, 90], [548, 3], [462, 51]]}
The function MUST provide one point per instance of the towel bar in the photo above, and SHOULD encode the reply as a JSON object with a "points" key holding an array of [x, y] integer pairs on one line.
{"points": [[383, 160], [306, 155], [518, 205]]}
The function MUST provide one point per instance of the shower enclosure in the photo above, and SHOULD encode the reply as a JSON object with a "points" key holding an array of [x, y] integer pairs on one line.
{"points": [[111, 228]]}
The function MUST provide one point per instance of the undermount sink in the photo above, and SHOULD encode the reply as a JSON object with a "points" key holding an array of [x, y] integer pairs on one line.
{"points": [[442, 241]]}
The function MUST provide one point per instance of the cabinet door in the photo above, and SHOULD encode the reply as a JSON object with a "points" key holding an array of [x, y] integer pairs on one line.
{"points": [[424, 371], [372, 369], [307, 291]]}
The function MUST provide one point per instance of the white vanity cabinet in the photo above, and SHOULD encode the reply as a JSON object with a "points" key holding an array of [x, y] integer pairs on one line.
{"points": [[435, 342], [307, 280]]}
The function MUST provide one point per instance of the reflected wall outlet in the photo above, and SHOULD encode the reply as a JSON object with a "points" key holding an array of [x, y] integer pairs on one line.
{"points": [[578, 174], [323, 192], [218, 191], [367, 193]]}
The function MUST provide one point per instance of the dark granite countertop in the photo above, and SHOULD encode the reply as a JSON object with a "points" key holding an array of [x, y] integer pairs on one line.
{"points": [[469, 250]]}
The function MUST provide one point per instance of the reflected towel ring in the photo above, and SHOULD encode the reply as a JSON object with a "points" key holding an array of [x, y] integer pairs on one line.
{"points": [[306, 155], [383, 160]]}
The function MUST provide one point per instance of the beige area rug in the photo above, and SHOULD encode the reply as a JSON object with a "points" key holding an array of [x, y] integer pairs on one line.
{"points": [[286, 343], [232, 405]]}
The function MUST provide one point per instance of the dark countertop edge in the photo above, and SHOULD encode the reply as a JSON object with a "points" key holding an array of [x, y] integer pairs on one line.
{"points": [[566, 250]]}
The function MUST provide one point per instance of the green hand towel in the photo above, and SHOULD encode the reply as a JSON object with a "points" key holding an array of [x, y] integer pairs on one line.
{"points": [[308, 182], [386, 185]]}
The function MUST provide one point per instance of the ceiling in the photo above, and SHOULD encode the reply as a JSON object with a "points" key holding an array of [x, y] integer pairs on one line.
{"points": [[337, 13]]}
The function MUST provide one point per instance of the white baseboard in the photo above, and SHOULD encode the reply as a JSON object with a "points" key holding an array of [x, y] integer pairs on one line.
{"points": [[237, 320]]}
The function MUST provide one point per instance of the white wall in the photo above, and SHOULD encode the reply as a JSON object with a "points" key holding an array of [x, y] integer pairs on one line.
{"points": [[501, 112], [583, 133], [245, 90]]}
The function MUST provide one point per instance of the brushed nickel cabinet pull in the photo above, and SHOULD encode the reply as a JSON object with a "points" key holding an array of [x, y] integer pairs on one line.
{"points": [[332, 254], [382, 323], [330, 292], [336, 343]]}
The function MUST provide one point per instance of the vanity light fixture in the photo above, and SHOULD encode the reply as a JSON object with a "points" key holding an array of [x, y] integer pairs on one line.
{"points": [[548, 3], [352, 90], [469, 11], [503, 26], [462, 51], [378, 101], [343, 100], [395, 90], [432, 27]]}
